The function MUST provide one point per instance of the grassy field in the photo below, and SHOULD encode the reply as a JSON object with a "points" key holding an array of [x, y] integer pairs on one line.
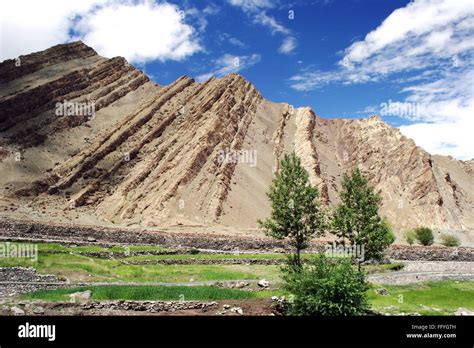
{"points": [[70, 264], [431, 298], [149, 293], [81, 268], [45, 247]]}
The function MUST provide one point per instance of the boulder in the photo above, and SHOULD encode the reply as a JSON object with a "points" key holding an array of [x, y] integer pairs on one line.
{"points": [[80, 296]]}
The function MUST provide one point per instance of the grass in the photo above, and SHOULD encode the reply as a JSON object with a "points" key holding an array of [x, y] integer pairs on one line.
{"points": [[77, 267], [207, 257], [45, 247], [149, 293], [431, 298], [81, 268]]}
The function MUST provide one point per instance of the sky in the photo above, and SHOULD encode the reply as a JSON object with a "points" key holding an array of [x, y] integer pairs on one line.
{"points": [[410, 62]]}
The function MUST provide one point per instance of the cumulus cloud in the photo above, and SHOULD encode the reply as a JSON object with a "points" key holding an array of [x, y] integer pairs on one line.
{"points": [[138, 30], [25, 28], [427, 47], [229, 63]]}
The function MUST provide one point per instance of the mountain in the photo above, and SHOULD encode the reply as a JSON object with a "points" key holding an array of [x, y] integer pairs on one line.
{"points": [[93, 140]]}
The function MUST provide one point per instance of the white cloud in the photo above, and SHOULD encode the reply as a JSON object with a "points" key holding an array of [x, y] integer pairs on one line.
{"points": [[138, 30], [229, 63], [236, 42], [288, 45], [431, 43], [27, 26], [420, 19], [252, 5], [257, 9], [270, 22]]}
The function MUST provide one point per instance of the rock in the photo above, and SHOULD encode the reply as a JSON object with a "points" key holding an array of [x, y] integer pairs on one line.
{"points": [[382, 291], [91, 239], [17, 311], [463, 312], [38, 310], [240, 285], [263, 283], [237, 310], [80, 296], [226, 306]]}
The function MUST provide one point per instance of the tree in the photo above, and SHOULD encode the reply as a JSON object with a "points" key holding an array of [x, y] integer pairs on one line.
{"points": [[296, 213], [424, 235], [356, 219], [326, 287]]}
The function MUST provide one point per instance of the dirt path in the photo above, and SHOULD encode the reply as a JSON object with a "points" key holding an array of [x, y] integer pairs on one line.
{"points": [[420, 271]]}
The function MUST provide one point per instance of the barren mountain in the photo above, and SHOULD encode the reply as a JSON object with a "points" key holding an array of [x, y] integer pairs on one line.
{"points": [[92, 140]]}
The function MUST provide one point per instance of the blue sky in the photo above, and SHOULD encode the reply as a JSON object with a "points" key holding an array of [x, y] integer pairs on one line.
{"points": [[411, 62]]}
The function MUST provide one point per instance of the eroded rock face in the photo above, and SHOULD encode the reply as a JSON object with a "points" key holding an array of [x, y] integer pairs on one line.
{"points": [[193, 153]]}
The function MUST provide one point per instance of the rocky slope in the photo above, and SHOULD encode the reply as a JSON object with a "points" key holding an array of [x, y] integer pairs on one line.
{"points": [[134, 153]]}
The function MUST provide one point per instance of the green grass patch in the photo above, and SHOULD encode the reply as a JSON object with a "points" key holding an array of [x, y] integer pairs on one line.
{"points": [[207, 257], [431, 298], [145, 292], [55, 247], [81, 268]]}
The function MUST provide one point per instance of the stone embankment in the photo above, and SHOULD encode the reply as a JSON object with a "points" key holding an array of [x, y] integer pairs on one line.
{"points": [[19, 280], [87, 235]]}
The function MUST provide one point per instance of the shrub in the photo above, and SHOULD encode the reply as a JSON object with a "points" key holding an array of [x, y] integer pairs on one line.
{"points": [[326, 287], [424, 235], [410, 237], [450, 241]]}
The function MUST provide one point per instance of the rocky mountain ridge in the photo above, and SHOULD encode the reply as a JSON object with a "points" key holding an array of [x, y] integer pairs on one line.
{"points": [[192, 154]]}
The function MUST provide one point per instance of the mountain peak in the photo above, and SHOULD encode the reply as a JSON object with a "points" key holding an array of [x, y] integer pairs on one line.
{"points": [[130, 152]]}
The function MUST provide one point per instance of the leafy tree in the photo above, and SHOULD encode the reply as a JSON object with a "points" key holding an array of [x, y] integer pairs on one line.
{"points": [[296, 213], [356, 219], [424, 235], [326, 286]]}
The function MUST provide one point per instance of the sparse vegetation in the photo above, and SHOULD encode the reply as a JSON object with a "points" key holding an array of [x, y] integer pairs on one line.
{"points": [[449, 240], [424, 235], [410, 237], [431, 298], [149, 293]]}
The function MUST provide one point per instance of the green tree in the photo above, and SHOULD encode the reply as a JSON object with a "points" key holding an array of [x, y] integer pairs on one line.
{"points": [[424, 235], [296, 213], [356, 219], [326, 286]]}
